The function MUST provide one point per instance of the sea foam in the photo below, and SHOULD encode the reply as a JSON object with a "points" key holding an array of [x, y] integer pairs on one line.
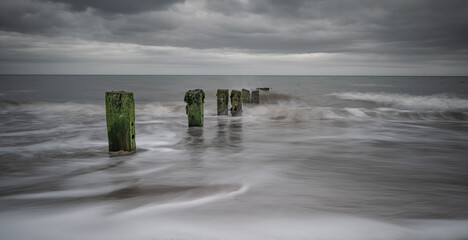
{"points": [[433, 102]]}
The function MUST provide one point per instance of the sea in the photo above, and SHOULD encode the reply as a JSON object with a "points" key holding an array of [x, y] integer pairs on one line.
{"points": [[321, 157]]}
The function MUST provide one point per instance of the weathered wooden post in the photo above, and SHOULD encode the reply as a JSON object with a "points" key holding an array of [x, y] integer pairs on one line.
{"points": [[223, 101], [120, 117], [194, 109], [245, 96], [236, 103], [255, 97]]}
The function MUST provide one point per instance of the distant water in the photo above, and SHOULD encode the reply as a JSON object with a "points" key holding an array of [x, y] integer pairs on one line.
{"points": [[320, 158]]}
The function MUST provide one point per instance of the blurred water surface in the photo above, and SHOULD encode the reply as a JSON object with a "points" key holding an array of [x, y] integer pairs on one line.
{"points": [[319, 158]]}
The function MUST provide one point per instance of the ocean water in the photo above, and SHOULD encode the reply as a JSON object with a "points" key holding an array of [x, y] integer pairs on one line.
{"points": [[319, 158]]}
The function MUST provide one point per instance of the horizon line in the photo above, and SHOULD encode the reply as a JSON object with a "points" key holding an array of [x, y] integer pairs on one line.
{"points": [[279, 75]]}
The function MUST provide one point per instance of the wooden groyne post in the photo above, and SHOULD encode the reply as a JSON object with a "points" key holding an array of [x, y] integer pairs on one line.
{"points": [[194, 109], [223, 101], [236, 103], [255, 97], [245, 96], [120, 118]]}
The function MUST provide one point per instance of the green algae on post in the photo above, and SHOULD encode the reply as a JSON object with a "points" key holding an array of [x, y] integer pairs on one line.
{"points": [[194, 109], [255, 97], [236, 103], [120, 118], [245, 96], [223, 101]]}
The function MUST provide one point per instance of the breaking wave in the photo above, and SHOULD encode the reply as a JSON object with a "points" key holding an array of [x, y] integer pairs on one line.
{"points": [[273, 106], [298, 113], [429, 102], [276, 98], [87, 109]]}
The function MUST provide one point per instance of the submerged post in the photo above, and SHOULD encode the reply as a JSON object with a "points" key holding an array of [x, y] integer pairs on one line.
{"points": [[223, 101], [120, 117], [194, 109], [245, 96], [236, 103], [255, 97]]}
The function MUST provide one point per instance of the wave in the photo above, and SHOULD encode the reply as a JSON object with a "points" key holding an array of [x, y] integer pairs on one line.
{"points": [[298, 113], [274, 106], [159, 109], [52, 108], [55, 130], [94, 110], [215, 193], [130, 199], [277, 98], [429, 102]]}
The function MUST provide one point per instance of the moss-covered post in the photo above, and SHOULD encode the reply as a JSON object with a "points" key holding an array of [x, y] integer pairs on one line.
{"points": [[255, 97], [194, 109], [223, 101], [120, 117], [236, 103], [245, 96]]}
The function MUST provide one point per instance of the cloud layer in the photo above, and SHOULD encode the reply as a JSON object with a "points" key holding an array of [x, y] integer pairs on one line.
{"points": [[235, 37]]}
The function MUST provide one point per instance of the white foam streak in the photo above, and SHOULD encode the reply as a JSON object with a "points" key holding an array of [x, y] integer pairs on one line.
{"points": [[296, 113], [62, 128], [60, 108], [68, 145], [434, 102], [66, 193], [179, 205], [158, 109]]}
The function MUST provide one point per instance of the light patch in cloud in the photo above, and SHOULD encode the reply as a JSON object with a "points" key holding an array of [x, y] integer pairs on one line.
{"points": [[76, 56]]}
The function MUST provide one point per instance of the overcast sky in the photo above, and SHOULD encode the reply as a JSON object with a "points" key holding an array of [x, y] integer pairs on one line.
{"points": [[293, 37]]}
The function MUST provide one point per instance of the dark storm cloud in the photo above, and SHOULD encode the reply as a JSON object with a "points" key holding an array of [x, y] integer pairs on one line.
{"points": [[426, 25], [398, 30], [258, 25], [30, 17], [276, 7], [52, 19], [387, 27], [118, 6]]}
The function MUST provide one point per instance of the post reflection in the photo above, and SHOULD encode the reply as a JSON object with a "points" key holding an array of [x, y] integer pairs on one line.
{"points": [[220, 141], [228, 135], [235, 134], [195, 143]]}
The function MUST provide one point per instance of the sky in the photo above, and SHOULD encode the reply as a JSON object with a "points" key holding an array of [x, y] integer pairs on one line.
{"points": [[234, 37]]}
